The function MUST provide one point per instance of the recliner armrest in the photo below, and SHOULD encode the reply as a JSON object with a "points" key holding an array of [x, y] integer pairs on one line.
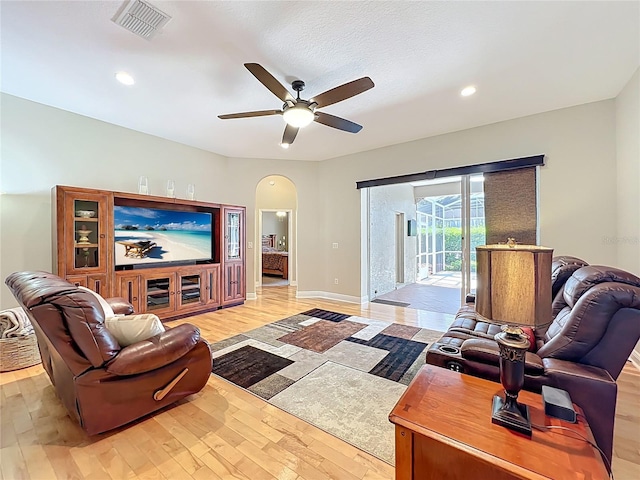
{"points": [[487, 351], [593, 389], [555, 368], [120, 306], [155, 352]]}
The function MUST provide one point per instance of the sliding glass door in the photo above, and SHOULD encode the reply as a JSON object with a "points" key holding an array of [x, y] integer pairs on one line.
{"points": [[454, 215], [450, 217]]}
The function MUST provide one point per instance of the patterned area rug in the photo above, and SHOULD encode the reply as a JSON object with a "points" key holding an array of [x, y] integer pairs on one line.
{"points": [[341, 373]]}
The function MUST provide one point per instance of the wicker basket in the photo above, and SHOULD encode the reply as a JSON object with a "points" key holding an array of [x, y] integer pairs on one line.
{"points": [[19, 352]]}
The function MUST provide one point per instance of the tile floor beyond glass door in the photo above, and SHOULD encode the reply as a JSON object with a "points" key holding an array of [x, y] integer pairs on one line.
{"points": [[438, 293]]}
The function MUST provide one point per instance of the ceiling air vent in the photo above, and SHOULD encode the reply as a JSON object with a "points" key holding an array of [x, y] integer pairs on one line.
{"points": [[141, 18]]}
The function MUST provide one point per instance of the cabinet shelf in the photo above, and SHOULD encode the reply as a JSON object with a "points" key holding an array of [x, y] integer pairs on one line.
{"points": [[157, 291], [85, 219], [87, 245], [157, 301]]}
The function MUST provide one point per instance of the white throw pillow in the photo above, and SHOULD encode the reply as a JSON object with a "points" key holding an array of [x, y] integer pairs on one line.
{"points": [[106, 308], [129, 329]]}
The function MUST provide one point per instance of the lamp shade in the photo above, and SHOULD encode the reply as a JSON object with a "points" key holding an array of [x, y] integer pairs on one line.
{"points": [[514, 284], [298, 116]]}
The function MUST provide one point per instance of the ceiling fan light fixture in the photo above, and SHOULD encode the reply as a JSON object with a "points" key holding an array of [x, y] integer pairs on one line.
{"points": [[285, 145], [298, 116]]}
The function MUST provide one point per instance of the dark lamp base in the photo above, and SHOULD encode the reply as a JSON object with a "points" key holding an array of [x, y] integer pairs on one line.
{"points": [[512, 418]]}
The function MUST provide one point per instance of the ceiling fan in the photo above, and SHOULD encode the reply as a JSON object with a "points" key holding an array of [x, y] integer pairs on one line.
{"points": [[299, 113]]}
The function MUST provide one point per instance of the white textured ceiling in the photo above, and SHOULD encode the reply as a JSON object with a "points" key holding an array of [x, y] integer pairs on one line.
{"points": [[524, 58]]}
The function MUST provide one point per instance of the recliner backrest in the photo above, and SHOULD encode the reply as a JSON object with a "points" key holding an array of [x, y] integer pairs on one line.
{"points": [[84, 318], [77, 323], [562, 267], [598, 308]]}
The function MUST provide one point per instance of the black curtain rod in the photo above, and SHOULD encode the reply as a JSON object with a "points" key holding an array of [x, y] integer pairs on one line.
{"points": [[498, 166]]}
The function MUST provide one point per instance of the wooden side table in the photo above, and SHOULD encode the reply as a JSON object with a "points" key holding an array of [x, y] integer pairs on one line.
{"points": [[444, 431]]}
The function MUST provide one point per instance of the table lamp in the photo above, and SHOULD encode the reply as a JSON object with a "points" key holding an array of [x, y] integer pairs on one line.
{"points": [[514, 288]]}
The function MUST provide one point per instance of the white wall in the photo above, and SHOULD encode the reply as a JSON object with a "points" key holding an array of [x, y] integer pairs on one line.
{"points": [[627, 236], [385, 202], [44, 146]]}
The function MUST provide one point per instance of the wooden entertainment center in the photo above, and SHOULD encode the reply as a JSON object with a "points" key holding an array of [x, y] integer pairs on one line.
{"points": [[85, 246]]}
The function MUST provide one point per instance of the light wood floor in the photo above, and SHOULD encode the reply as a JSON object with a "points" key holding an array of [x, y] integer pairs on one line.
{"points": [[224, 432]]}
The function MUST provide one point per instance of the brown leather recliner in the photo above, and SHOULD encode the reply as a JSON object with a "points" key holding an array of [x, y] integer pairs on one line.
{"points": [[595, 326], [102, 385]]}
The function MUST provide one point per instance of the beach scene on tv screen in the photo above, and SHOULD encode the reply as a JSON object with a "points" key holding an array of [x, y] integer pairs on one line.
{"points": [[148, 235]]}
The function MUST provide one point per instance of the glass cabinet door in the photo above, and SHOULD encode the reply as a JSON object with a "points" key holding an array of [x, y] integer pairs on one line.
{"points": [[233, 235], [159, 293], [190, 289], [87, 232]]}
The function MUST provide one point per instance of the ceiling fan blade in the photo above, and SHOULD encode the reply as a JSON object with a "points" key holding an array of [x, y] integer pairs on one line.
{"points": [[269, 81], [289, 134], [343, 92], [337, 122], [259, 113]]}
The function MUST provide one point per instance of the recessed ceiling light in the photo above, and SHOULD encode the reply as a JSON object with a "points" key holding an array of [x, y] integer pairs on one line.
{"points": [[125, 78], [285, 145], [468, 91]]}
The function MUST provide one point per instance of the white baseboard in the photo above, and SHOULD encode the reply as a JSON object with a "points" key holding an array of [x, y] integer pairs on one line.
{"points": [[635, 358], [251, 296], [330, 296]]}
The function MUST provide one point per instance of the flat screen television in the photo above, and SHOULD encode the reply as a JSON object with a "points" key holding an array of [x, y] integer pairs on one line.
{"points": [[148, 236]]}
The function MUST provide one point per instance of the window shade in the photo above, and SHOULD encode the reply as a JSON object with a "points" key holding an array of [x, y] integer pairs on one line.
{"points": [[510, 206]]}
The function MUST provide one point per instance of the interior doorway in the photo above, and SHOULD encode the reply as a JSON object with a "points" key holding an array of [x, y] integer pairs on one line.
{"points": [[275, 247], [275, 237]]}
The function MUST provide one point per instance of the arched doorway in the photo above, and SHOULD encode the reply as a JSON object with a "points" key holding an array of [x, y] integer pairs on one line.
{"points": [[276, 227]]}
